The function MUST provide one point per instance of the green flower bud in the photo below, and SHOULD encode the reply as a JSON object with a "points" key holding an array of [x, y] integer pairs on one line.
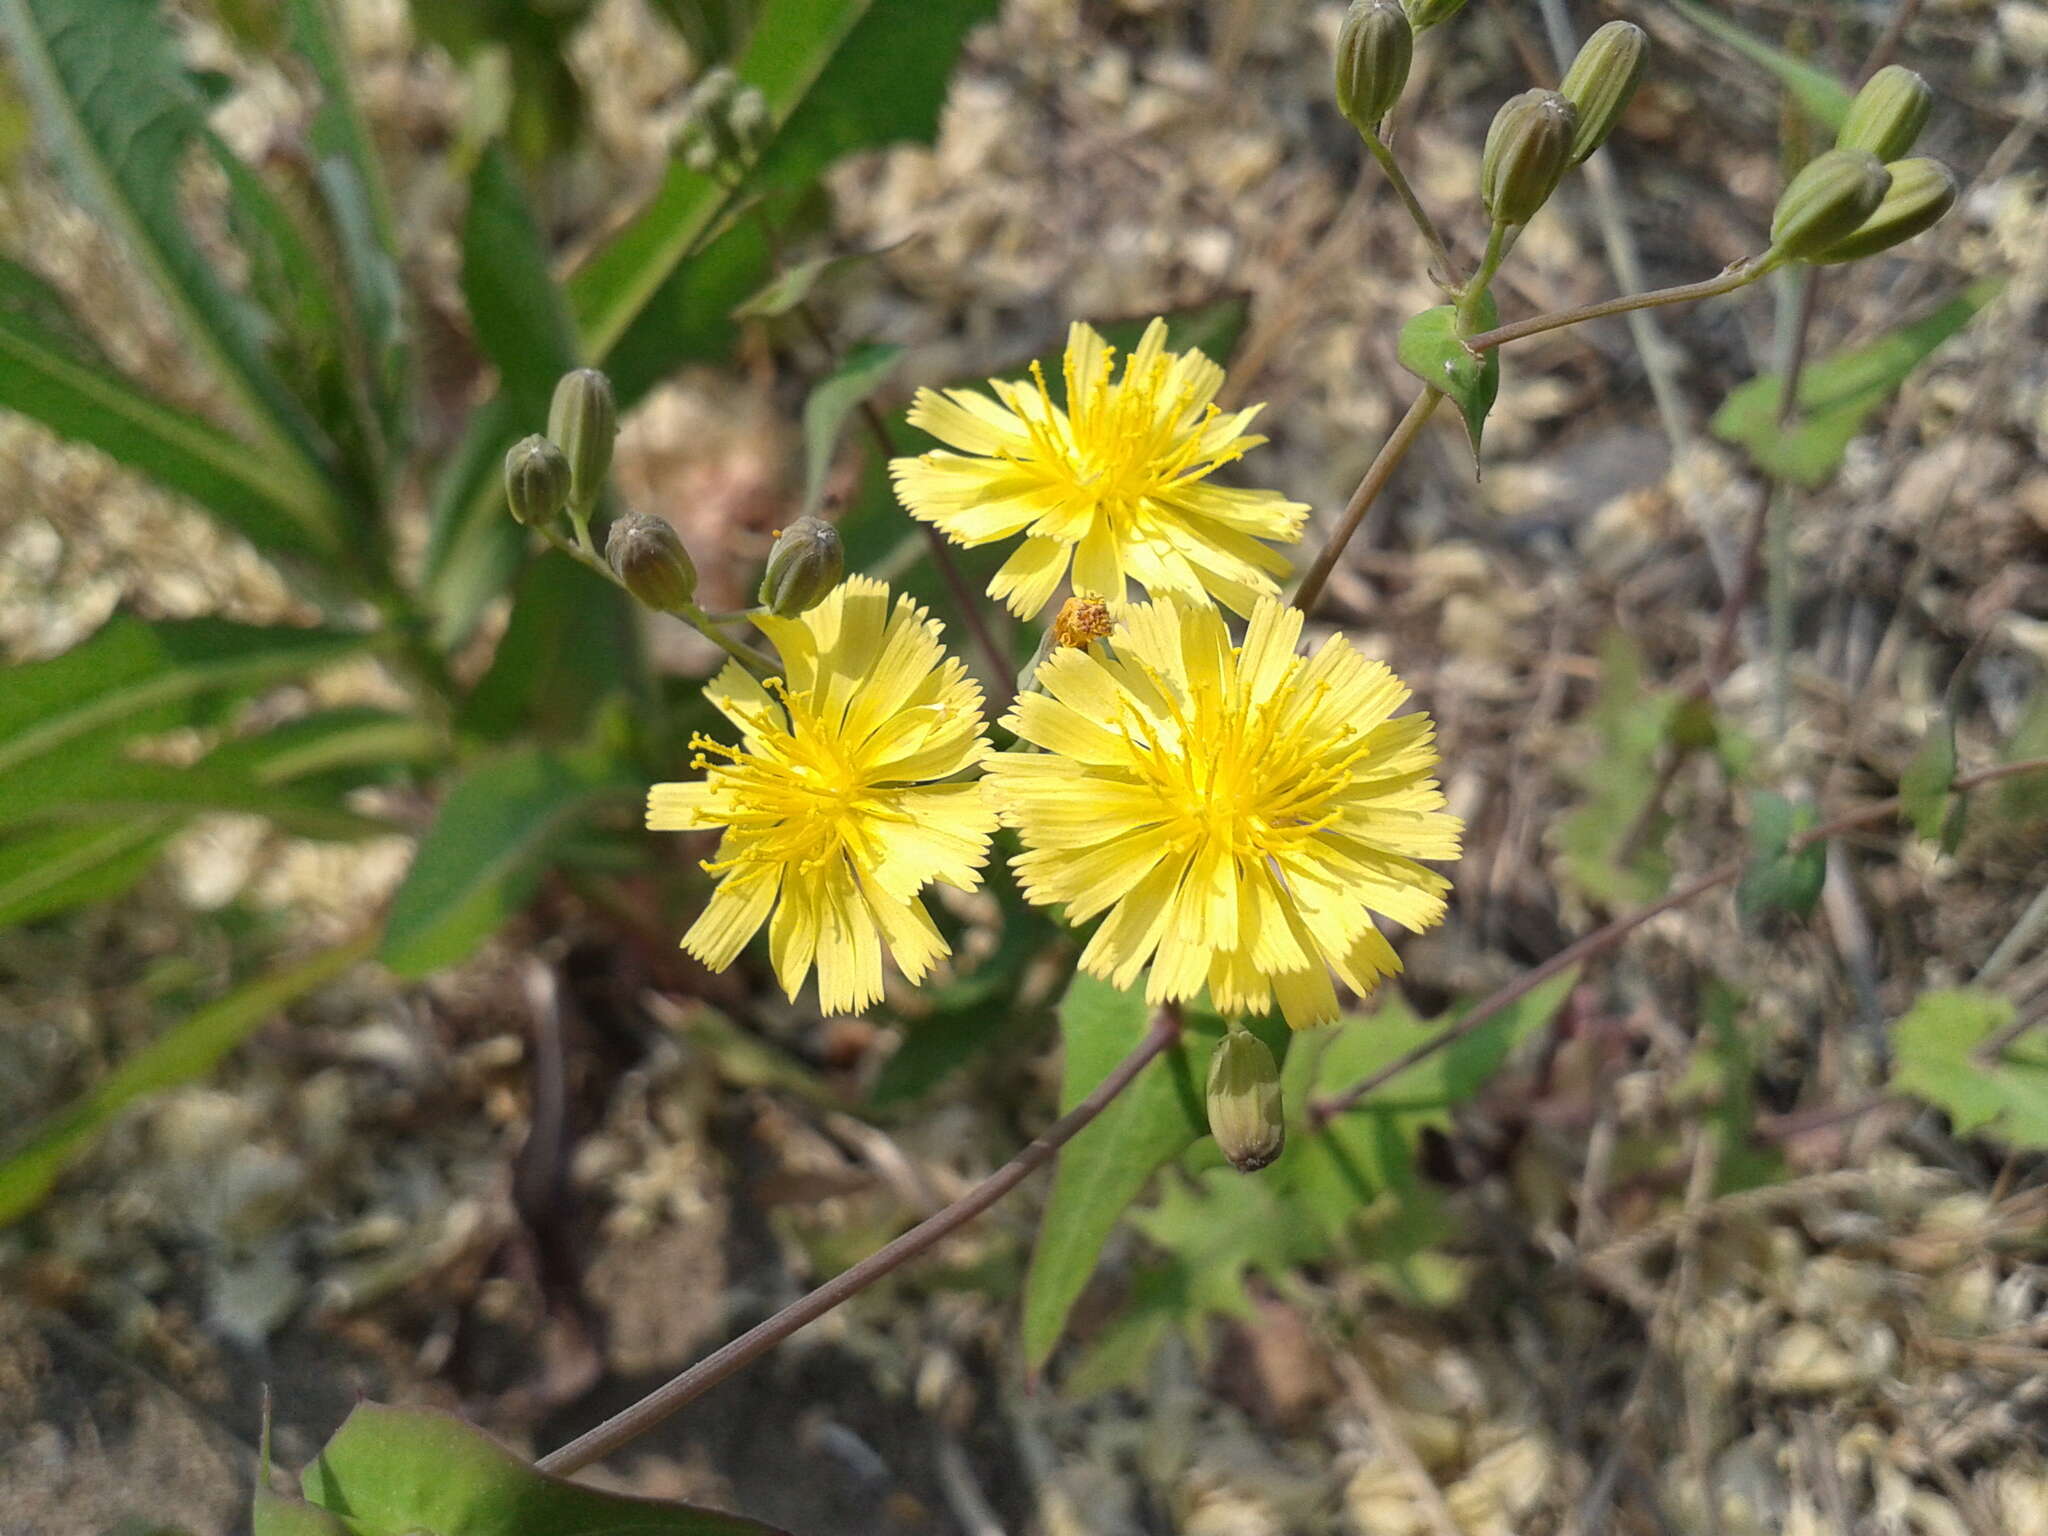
{"points": [[648, 557], [1601, 80], [1244, 1101], [584, 419], [803, 568], [1528, 150], [1375, 46], [749, 119], [1826, 202], [1424, 14], [536, 480], [1888, 113], [1922, 191], [701, 155]]}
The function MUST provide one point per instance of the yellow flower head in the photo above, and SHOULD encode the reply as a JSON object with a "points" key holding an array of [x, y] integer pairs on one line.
{"points": [[830, 815], [1117, 483], [1239, 812]]}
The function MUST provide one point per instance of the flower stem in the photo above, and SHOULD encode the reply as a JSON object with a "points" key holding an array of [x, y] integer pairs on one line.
{"points": [[628, 1425], [1600, 940], [1740, 275], [1377, 475], [1474, 293], [756, 662], [1440, 256]]}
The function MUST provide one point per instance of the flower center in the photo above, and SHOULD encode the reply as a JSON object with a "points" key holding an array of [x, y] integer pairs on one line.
{"points": [[800, 797], [1243, 778], [1124, 444]]}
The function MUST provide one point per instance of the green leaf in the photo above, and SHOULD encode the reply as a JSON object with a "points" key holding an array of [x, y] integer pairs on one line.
{"points": [[661, 293], [47, 375], [1935, 1046], [391, 1471], [521, 319], [1360, 1166], [340, 131], [835, 398], [485, 854], [54, 869], [148, 677], [1838, 394], [786, 290], [116, 104], [1923, 787], [182, 1053], [1779, 878], [271, 1514], [1430, 349], [1350, 1187], [1824, 97], [1103, 1169]]}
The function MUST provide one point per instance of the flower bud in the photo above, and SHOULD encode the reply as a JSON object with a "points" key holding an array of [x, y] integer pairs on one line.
{"points": [[1887, 115], [584, 419], [1826, 202], [648, 557], [1601, 80], [536, 480], [1424, 14], [1528, 150], [805, 565], [749, 119], [1244, 1101], [1922, 191], [1375, 45], [1080, 621]]}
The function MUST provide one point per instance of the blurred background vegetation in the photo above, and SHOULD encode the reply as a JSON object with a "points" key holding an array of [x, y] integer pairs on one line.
{"points": [[344, 1042]]}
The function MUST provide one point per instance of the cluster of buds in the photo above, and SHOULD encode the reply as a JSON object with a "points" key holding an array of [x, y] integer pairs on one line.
{"points": [[1539, 135], [565, 472], [1864, 196], [724, 125]]}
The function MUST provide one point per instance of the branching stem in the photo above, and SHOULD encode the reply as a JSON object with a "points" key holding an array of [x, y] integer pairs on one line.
{"points": [[1740, 275], [1381, 470]]}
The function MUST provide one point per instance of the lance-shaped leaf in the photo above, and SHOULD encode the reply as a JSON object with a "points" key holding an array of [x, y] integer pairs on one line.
{"points": [[120, 111], [1430, 349]]}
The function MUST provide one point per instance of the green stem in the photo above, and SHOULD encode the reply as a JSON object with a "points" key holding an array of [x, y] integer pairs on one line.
{"points": [[1740, 275], [1377, 475], [1439, 254], [756, 662], [1474, 293]]}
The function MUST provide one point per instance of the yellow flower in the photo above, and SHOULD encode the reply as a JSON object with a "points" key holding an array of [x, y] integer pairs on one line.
{"points": [[1239, 812], [1117, 483], [830, 816]]}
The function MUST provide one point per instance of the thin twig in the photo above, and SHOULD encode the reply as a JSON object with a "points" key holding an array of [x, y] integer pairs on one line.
{"points": [[1602, 939], [1445, 270], [678, 1391], [1377, 474], [1742, 273]]}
